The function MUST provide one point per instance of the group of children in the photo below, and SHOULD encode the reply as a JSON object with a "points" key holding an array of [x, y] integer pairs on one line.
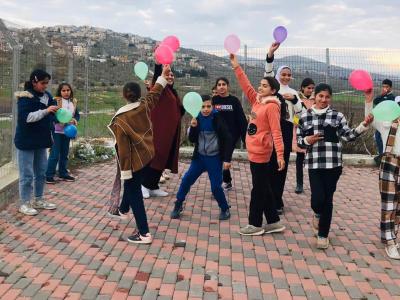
{"points": [[279, 116]]}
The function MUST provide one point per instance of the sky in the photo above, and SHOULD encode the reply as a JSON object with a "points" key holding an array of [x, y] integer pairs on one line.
{"points": [[351, 23]]}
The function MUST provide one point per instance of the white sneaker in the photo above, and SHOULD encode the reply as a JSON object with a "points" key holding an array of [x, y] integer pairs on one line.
{"points": [[137, 238], [28, 210], [43, 204], [145, 192], [158, 193], [392, 251], [322, 242], [165, 174]]}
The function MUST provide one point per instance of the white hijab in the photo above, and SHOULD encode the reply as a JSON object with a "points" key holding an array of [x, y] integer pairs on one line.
{"points": [[285, 88]]}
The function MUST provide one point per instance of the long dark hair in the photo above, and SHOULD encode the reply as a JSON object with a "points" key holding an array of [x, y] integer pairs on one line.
{"points": [[36, 76], [60, 87]]}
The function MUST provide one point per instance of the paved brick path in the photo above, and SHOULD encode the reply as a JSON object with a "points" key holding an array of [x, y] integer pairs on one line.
{"points": [[76, 252]]}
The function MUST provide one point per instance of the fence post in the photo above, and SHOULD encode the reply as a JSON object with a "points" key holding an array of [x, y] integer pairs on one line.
{"points": [[49, 65], [70, 68], [14, 88], [86, 94], [243, 96], [328, 66]]}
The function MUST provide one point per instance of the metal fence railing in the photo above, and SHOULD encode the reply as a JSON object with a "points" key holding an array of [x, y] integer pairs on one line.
{"points": [[101, 63]]}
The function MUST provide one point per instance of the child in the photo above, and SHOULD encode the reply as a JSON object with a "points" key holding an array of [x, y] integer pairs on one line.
{"points": [[59, 151], [290, 105], [231, 111], [132, 129], [319, 131], [307, 98], [388, 180], [263, 132], [32, 137], [212, 153]]}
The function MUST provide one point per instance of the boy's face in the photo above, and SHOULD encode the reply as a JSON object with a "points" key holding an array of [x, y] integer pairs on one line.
{"points": [[386, 89], [206, 108]]}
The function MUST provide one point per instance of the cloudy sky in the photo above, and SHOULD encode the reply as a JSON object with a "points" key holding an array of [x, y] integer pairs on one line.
{"points": [[351, 23]]}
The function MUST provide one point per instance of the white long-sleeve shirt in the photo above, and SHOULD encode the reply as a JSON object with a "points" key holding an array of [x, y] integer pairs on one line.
{"points": [[384, 127]]}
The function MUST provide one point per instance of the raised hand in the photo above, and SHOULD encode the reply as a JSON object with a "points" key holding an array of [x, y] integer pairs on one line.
{"points": [[166, 70], [234, 61], [274, 46]]}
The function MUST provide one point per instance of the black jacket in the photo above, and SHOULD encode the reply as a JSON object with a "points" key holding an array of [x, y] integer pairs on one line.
{"points": [[379, 99], [224, 138]]}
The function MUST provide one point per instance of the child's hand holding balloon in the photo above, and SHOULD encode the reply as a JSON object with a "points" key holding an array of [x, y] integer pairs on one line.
{"points": [[368, 119], [193, 122], [274, 46], [234, 61], [52, 109]]}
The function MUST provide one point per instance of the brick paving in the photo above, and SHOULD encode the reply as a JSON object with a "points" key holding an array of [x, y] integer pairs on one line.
{"points": [[76, 252]]}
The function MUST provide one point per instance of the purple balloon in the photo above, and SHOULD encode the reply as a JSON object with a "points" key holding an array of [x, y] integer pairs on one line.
{"points": [[280, 34]]}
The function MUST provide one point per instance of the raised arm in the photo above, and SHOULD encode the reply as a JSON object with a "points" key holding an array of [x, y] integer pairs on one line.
{"points": [[244, 82], [153, 96], [268, 71]]}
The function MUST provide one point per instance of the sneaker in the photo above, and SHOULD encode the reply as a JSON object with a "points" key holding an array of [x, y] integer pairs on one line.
{"points": [[50, 180], [227, 186], [43, 204], [274, 227], [299, 189], [67, 178], [251, 230], [178, 208], [315, 224], [225, 215], [279, 211], [137, 238], [145, 192], [166, 175], [158, 193], [322, 242], [118, 214], [393, 251], [162, 179], [28, 210]]}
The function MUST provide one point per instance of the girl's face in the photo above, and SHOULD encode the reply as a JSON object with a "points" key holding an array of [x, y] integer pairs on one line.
{"points": [[170, 78], [66, 92], [285, 76], [308, 90], [40, 86], [322, 100], [265, 89], [206, 108], [222, 88]]}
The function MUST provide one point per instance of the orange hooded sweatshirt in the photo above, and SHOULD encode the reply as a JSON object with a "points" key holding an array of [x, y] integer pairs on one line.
{"points": [[264, 130]]}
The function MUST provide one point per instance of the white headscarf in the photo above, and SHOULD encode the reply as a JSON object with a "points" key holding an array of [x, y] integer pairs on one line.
{"points": [[285, 88]]}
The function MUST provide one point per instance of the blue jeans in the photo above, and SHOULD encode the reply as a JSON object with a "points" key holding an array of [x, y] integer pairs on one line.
{"points": [[32, 166], [134, 198], [58, 154], [379, 142], [213, 166]]}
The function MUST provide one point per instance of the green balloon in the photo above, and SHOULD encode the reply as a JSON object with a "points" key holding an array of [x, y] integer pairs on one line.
{"points": [[386, 111], [63, 115], [192, 103], [141, 70]]}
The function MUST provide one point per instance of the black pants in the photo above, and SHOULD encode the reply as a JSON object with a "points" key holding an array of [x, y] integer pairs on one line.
{"points": [[226, 176], [152, 178], [134, 198], [299, 167], [323, 185], [262, 198]]}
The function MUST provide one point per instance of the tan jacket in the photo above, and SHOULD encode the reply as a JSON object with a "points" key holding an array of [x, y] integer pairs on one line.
{"points": [[133, 132]]}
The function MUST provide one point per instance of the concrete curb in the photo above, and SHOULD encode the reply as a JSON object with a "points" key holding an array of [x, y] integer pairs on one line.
{"points": [[8, 184], [360, 160]]}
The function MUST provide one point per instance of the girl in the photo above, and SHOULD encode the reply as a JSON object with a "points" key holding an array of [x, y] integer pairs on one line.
{"points": [[290, 105], [131, 127], [388, 179], [33, 135], [166, 119], [59, 151], [319, 131], [231, 111], [307, 98], [263, 132]]}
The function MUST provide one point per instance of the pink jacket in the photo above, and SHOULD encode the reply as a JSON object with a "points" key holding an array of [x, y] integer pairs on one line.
{"points": [[264, 129]]}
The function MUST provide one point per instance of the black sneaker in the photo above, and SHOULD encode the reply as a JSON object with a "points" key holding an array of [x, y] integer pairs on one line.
{"points": [[67, 178], [50, 180], [225, 215], [137, 238], [227, 186], [176, 213], [299, 189], [117, 214], [279, 211]]}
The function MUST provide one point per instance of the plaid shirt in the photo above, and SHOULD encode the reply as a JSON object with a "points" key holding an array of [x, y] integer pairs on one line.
{"points": [[326, 153]]}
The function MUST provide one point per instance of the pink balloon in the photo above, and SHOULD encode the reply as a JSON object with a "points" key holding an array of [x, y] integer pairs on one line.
{"points": [[172, 41], [280, 34], [164, 54], [361, 80], [232, 43]]}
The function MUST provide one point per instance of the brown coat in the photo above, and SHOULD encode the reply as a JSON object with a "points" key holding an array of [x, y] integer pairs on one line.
{"points": [[133, 132]]}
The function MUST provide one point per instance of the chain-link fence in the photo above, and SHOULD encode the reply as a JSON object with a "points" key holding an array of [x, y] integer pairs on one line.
{"points": [[98, 63]]}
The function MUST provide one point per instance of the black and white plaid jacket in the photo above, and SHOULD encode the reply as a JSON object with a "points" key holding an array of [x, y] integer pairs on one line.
{"points": [[326, 153]]}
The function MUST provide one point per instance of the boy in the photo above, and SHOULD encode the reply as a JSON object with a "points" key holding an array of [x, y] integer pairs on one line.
{"points": [[211, 154]]}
